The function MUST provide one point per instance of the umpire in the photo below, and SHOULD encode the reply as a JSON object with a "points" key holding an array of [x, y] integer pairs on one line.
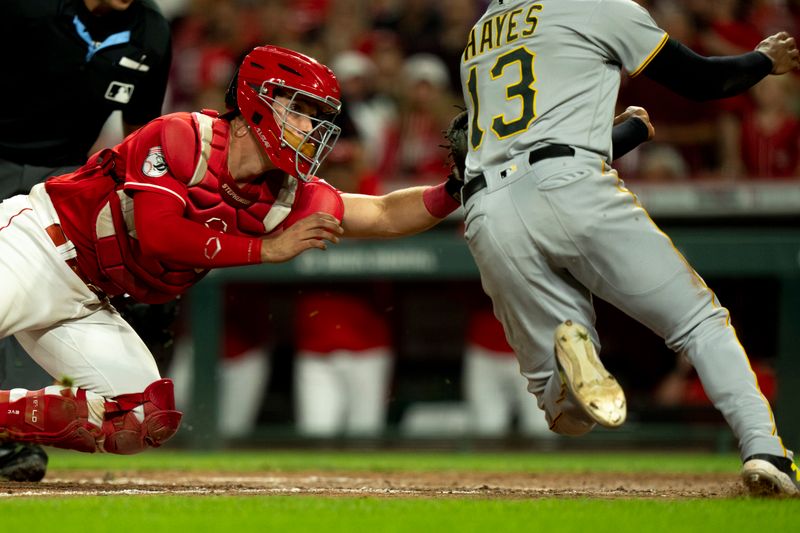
{"points": [[67, 65]]}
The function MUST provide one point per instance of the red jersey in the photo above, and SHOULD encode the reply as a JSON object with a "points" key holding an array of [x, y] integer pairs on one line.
{"points": [[175, 164], [771, 155], [329, 321], [486, 331]]}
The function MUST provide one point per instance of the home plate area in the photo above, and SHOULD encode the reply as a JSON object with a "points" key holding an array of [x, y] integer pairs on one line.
{"points": [[383, 485]]}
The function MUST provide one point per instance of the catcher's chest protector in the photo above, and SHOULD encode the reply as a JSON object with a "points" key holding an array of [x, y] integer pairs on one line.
{"points": [[195, 153], [214, 199]]}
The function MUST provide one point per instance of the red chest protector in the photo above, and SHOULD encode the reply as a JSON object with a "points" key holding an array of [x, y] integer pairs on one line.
{"points": [[214, 199], [194, 150]]}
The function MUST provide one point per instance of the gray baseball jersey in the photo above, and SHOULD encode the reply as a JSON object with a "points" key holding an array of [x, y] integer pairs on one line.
{"points": [[549, 235], [549, 72]]}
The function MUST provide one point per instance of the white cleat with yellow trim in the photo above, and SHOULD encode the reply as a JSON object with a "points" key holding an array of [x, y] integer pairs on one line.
{"points": [[594, 388], [771, 475]]}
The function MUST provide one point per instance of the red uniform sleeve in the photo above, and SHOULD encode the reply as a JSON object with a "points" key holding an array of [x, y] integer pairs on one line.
{"points": [[166, 235]]}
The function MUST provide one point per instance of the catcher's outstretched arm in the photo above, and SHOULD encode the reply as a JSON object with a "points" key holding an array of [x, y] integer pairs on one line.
{"points": [[397, 214], [415, 209]]}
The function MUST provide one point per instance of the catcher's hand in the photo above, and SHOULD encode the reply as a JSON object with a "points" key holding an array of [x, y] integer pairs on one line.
{"points": [[456, 136]]}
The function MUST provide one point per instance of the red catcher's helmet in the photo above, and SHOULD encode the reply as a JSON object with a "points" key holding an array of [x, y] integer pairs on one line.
{"points": [[270, 71]]}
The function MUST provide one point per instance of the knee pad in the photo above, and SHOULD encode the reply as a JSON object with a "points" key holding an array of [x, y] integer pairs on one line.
{"points": [[126, 434]]}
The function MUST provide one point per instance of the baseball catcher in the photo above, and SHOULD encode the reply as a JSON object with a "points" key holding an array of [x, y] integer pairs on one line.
{"points": [[184, 194]]}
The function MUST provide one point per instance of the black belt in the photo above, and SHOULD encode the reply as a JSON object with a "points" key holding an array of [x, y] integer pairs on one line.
{"points": [[478, 183]]}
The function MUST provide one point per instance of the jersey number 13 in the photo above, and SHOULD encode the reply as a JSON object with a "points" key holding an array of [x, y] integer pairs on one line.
{"points": [[523, 90]]}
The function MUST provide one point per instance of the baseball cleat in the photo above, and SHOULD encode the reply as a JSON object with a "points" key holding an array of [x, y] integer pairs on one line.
{"points": [[586, 378], [771, 475], [22, 462]]}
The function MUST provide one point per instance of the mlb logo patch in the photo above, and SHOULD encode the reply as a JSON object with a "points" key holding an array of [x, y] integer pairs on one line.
{"points": [[119, 92], [154, 164]]}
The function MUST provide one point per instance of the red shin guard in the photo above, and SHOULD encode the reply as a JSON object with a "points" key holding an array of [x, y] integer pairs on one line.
{"points": [[61, 419]]}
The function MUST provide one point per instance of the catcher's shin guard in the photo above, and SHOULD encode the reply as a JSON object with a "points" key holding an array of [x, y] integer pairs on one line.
{"points": [[55, 415], [81, 420]]}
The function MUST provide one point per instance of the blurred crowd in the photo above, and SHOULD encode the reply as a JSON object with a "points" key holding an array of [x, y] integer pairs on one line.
{"points": [[398, 66], [397, 62], [749, 137]]}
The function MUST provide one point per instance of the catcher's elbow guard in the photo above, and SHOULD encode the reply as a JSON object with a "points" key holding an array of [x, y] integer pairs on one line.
{"points": [[315, 197]]}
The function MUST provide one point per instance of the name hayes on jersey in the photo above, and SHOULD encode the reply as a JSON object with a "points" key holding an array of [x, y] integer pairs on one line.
{"points": [[502, 29]]}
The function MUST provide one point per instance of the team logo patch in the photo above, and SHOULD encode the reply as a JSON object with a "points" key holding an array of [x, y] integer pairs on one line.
{"points": [[119, 92], [154, 164]]}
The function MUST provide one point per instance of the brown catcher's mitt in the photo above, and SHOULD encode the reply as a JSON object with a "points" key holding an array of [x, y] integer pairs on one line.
{"points": [[456, 136]]}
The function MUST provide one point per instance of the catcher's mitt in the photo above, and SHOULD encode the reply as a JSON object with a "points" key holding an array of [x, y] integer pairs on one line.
{"points": [[456, 136]]}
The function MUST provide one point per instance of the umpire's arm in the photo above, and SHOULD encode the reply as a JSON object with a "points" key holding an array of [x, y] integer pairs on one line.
{"points": [[707, 78]]}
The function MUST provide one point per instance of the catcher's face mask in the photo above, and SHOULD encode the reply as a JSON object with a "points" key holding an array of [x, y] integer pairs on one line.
{"points": [[290, 101]]}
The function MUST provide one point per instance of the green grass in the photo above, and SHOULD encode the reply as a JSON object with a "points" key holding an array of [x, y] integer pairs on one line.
{"points": [[153, 514], [290, 514], [399, 461]]}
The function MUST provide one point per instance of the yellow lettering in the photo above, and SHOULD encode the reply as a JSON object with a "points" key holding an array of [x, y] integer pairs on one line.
{"points": [[532, 20], [511, 34], [486, 36], [470, 50], [502, 29], [499, 21]]}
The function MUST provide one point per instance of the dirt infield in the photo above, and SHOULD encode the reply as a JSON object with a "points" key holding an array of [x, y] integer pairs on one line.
{"points": [[388, 485]]}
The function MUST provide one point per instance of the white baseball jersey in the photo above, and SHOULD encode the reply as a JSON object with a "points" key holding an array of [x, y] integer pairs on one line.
{"points": [[548, 71]]}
